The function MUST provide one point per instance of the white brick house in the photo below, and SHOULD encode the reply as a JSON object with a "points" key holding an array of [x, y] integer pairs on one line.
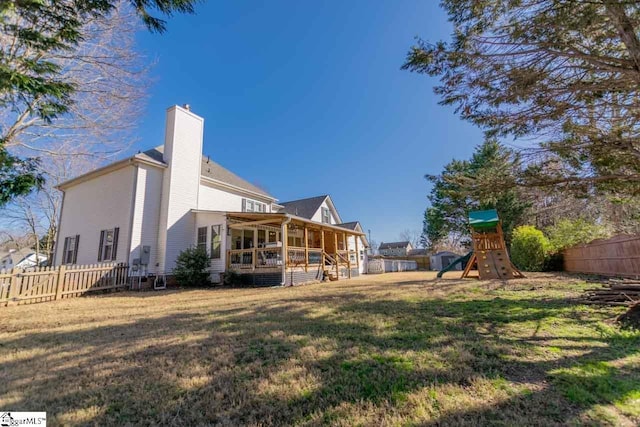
{"points": [[146, 209]]}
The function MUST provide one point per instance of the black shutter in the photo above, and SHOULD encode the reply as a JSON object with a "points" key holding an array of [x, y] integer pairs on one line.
{"points": [[64, 251], [244, 205], [100, 246], [75, 252], [115, 244]]}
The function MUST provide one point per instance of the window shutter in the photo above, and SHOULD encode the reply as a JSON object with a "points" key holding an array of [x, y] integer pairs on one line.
{"points": [[75, 251], [114, 251], [100, 246], [244, 205], [64, 251]]}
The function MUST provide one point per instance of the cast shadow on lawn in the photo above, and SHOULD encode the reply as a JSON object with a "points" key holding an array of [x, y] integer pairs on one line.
{"points": [[235, 366]]}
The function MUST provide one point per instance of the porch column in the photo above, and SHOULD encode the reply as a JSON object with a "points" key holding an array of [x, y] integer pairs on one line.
{"points": [[322, 244], [335, 246], [306, 249], [345, 244], [285, 252], [357, 253]]}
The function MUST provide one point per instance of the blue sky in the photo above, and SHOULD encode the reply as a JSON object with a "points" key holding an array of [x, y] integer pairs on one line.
{"points": [[307, 98]]}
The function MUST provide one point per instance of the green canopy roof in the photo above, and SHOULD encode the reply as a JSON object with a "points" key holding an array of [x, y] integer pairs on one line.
{"points": [[484, 219]]}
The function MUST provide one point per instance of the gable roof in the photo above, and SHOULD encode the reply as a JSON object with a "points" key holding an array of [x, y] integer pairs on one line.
{"points": [[17, 255], [355, 226], [349, 225], [210, 169], [304, 208], [213, 170], [394, 245]]}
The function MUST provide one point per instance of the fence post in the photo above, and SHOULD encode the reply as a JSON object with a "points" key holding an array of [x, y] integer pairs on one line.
{"points": [[60, 282], [13, 288]]}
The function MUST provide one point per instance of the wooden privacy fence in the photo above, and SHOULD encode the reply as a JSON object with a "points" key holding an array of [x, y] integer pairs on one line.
{"points": [[618, 256], [40, 284]]}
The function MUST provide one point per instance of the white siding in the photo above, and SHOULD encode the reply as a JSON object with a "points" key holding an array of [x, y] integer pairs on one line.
{"points": [[206, 219], [147, 214], [318, 215], [104, 202], [351, 244], [182, 152], [213, 198]]}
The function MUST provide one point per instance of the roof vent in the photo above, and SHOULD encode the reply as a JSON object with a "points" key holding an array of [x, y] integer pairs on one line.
{"points": [[187, 107]]}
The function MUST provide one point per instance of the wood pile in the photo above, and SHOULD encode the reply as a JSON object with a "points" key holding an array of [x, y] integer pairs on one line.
{"points": [[614, 292]]}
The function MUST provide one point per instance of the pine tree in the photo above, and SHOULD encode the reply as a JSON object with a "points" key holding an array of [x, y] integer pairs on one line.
{"points": [[483, 182], [564, 72], [31, 85]]}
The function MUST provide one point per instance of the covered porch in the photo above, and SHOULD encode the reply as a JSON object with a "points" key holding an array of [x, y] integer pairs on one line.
{"points": [[295, 248]]}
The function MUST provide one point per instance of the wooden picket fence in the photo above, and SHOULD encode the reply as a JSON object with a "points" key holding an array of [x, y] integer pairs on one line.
{"points": [[618, 256], [40, 284]]}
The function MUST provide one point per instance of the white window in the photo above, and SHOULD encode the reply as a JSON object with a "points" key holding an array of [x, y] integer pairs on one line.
{"points": [[326, 216], [253, 206], [70, 251], [216, 241], [108, 249], [202, 238]]}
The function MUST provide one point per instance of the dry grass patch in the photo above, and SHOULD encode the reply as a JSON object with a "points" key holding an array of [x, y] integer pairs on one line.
{"points": [[395, 349]]}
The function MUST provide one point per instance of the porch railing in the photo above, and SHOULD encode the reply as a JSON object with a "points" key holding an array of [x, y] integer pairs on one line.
{"points": [[297, 256], [248, 259], [256, 258], [268, 257]]}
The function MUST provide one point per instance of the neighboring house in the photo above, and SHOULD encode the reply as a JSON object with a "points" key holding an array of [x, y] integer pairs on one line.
{"points": [[146, 209], [21, 258], [442, 259], [395, 249]]}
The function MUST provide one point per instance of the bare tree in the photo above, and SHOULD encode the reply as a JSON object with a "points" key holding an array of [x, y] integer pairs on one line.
{"points": [[411, 236], [111, 81]]}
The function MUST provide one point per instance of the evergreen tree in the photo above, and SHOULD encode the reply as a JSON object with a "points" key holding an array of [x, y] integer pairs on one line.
{"points": [[483, 182], [564, 72], [31, 84]]}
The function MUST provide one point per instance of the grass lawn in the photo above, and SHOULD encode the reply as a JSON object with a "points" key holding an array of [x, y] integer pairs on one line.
{"points": [[394, 349]]}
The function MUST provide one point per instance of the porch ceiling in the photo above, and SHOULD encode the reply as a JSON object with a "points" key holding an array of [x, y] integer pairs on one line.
{"points": [[279, 217]]}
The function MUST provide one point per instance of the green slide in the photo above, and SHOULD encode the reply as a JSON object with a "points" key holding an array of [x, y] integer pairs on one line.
{"points": [[463, 260]]}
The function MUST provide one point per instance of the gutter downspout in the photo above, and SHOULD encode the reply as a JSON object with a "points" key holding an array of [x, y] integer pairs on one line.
{"points": [[284, 250]]}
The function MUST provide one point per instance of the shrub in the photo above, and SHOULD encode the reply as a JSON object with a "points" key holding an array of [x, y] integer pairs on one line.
{"points": [[529, 248], [232, 278], [191, 267], [571, 232]]}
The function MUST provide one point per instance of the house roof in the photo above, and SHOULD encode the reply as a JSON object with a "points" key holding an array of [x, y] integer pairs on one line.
{"points": [[210, 169], [349, 225], [394, 245], [304, 208], [16, 256], [355, 226], [213, 170]]}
